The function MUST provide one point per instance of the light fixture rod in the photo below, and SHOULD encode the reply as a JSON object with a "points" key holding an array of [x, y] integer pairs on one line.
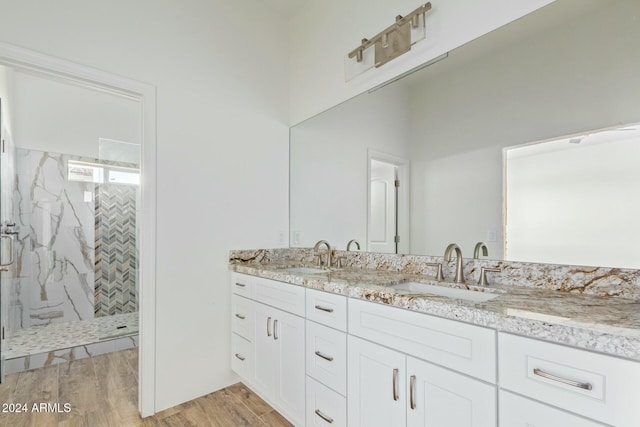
{"points": [[400, 21]]}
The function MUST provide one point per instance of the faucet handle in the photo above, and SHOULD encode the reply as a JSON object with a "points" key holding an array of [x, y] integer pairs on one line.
{"points": [[482, 280], [439, 275], [319, 256]]}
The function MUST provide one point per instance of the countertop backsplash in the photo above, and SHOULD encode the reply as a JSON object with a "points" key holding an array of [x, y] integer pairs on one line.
{"points": [[596, 281]]}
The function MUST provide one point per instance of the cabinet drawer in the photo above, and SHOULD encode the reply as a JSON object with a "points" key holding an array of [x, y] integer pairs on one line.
{"points": [[241, 317], [518, 411], [327, 356], [596, 386], [325, 407], [280, 295], [241, 284], [326, 308], [462, 347], [241, 357]]}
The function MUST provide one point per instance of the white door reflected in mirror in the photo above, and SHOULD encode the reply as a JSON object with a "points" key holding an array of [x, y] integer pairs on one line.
{"points": [[383, 221]]}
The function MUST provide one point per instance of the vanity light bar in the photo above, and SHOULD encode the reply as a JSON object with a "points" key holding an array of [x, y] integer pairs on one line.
{"points": [[398, 29]]}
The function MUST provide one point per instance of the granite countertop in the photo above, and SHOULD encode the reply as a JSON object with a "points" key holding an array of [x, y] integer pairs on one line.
{"points": [[609, 325]]}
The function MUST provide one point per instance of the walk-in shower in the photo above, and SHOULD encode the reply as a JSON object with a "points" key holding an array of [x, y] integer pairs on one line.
{"points": [[75, 287]]}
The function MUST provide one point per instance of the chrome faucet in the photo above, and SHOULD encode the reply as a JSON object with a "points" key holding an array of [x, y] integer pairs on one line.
{"points": [[354, 241], [317, 247], [447, 257], [479, 246]]}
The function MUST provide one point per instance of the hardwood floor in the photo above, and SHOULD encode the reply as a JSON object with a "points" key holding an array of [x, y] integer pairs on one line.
{"points": [[103, 391]]}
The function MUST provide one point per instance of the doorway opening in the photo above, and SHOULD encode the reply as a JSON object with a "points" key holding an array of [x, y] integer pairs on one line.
{"points": [[62, 203]]}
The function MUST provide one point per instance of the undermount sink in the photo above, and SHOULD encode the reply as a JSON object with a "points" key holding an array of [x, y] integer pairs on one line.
{"points": [[306, 270], [466, 294]]}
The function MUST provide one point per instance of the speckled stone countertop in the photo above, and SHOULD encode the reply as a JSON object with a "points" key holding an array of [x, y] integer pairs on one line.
{"points": [[609, 325]]}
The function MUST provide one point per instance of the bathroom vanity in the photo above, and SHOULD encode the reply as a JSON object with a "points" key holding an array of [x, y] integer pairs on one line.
{"points": [[349, 347]]}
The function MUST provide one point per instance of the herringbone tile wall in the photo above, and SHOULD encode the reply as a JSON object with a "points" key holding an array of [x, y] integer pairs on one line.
{"points": [[115, 254]]}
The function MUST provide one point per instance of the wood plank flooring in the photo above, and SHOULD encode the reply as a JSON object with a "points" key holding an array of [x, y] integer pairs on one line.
{"points": [[103, 391]]}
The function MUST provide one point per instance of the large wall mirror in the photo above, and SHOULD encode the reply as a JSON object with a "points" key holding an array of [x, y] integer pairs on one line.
{"points": [[567, 73]]}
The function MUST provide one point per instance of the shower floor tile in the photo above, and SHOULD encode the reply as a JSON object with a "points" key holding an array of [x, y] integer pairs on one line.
{"points": [[59, 336]]}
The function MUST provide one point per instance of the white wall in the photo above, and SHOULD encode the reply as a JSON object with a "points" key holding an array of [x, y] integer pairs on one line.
{"points": [[329, 165], [222, 149], [326, 30], [569, 80], [52, 115]]}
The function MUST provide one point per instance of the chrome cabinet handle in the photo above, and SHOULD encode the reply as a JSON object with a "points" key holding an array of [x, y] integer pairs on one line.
{"points": [[395, 384], [7, 236], [275, 329], [240, 316], [412, 384], [269, 326], [240, 357], [325, 357], [543, 374], [321, 308], [323, 416], [242, 285]]}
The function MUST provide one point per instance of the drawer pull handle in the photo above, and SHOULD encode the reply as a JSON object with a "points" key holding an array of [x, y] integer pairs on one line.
{"points": [[395, 384], [543, 374], [412, 385], [269, 326], [321, 308], [240, 357], [324, 356], [242, 285], [275, 329], [240, 316], [324, 417]]}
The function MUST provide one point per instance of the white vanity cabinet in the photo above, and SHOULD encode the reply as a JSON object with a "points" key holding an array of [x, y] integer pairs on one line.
{"points": [[602, 388], [325, 360], [241, 325], [279, 359], [518, 411], [277, 349], [387, 387], [390, 389], [326, 356], [376, 396]]}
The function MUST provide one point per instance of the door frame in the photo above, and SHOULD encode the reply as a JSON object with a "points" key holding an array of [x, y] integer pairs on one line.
{"points": [[93, 78], [404, 204]]}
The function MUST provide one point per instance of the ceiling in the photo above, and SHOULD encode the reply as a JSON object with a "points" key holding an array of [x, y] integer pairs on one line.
{"points": [[286, 8]]}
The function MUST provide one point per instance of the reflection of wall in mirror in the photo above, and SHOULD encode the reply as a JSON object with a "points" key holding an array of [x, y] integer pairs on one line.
{"points": [[329, 166], [568, 79], [574, 200], [460, 114]]}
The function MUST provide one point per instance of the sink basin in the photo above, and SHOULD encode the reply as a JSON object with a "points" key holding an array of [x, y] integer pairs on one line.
{"points": [[306, 270], [466, 294]]}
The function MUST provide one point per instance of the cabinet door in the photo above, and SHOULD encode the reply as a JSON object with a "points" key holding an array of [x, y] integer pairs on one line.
{"points": [[288, 339], [376, 391], [517, 411], [439, 397], [265, 364]]}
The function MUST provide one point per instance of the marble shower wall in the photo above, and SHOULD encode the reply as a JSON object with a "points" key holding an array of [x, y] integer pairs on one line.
{"points": [[116, 254], [55, 245]]}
